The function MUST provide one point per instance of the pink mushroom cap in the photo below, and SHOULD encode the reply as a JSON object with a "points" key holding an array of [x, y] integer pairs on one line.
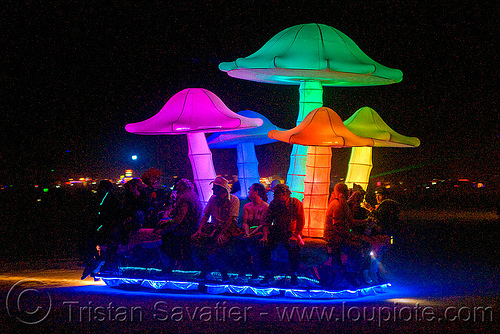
{"points": [[192, 110]]}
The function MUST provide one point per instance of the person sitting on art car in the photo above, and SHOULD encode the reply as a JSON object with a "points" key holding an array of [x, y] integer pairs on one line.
{"points": [[212, 238], [155, 196], [179, 224], [356, 197], [282, 224], [252, 225]]}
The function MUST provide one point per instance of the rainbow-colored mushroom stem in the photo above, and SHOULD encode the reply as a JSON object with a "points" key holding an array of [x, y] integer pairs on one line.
{"points": [[321, 130]]}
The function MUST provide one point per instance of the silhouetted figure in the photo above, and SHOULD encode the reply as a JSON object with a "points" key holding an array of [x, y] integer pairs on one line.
{"points": [[343, 242], [155, 196], [383, 223], [104, 229], [182, 222], [283, 224]]}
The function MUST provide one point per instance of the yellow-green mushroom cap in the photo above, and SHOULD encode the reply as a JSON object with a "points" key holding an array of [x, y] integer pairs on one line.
{"points": [[366, 122]]}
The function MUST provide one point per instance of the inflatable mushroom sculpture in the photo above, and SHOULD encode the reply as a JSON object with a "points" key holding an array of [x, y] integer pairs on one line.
{"points": [[194, 112], [245, 141], [311, 56], [367, 122], [321, 129]]}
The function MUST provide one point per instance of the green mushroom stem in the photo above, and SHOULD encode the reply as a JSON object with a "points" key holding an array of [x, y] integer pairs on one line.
{"points": [[310, 98]]}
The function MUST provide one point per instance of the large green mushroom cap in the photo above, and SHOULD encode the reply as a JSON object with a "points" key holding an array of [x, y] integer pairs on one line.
{"points": [[312, 52], [366, 122]]}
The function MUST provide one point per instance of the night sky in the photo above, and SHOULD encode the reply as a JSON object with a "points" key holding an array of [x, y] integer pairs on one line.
{"points": [[74, 73]]}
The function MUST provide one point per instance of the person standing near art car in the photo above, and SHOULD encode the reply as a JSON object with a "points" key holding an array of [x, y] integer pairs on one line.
{"points": [[282, 223], [211, 238], [337, 230], [108, 215], [134, 205], [104, 228], [131, 218], [356, 197], [342, 240], [383, 222], [178, 225]]}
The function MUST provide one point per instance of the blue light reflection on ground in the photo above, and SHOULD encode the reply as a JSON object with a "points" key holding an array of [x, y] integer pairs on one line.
{"points": [[208, 291], [395, 291]]}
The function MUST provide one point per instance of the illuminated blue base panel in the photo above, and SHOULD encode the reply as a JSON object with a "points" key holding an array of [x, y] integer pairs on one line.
{"points": [[185, 281]]}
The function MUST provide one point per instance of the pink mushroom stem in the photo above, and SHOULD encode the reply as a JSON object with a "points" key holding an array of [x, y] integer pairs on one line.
{"points": [[202, 165]]}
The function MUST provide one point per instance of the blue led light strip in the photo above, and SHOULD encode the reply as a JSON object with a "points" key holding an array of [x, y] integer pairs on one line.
{"points": [[215, 288]]}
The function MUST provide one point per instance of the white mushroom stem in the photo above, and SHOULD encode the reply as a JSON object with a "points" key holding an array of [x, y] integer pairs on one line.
{"points": [[316, 190], [360, 167], [202, 165], [310, 98], [248, 167]]}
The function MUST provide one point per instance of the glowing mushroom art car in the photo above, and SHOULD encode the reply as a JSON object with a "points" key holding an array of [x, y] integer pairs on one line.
{"points": [[322, 127], [308, 55]]}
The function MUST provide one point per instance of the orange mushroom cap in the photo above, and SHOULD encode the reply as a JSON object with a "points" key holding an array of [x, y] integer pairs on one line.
{"points": [[321, 127]]}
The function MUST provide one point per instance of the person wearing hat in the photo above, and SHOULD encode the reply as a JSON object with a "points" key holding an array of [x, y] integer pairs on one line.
{"points": [[210, 238], [282, 223], [383, 220], [270, 195], [385, 214]]}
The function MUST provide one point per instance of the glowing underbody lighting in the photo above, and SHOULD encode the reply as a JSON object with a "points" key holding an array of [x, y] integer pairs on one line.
{"points": [[217, 288]]}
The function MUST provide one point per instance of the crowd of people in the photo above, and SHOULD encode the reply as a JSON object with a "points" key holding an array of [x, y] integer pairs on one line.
{"points": [[184, 233]]}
